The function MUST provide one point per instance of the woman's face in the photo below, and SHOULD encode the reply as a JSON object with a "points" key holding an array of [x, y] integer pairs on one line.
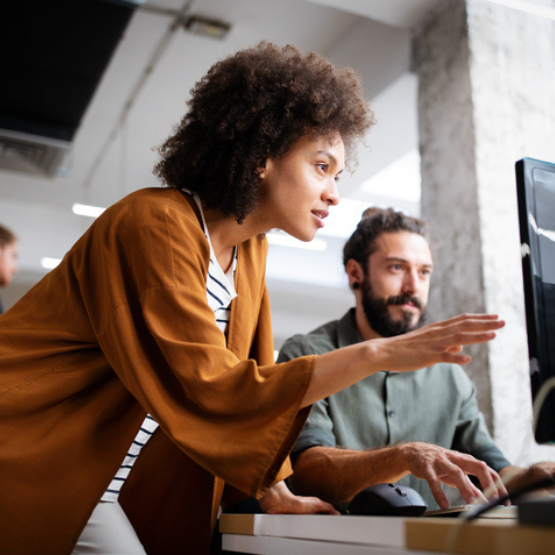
{"points": [[298, 188]]}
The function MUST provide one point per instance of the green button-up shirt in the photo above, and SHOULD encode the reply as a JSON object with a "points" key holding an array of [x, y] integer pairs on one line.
{"points": [[435, 405]]}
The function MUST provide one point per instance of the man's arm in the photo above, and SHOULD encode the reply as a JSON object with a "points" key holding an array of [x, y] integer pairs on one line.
{"points": [[336, 475], [516, 477], [472, 436]]}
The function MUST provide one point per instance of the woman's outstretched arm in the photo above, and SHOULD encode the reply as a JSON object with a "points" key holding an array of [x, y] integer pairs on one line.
{"points": [[429, 345]]}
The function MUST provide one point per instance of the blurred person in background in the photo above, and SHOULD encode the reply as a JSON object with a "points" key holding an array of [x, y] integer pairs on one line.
{"points": [[8, 258]]}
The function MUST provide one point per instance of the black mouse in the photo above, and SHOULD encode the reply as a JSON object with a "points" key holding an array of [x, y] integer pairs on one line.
{"points": [[387, 500]]}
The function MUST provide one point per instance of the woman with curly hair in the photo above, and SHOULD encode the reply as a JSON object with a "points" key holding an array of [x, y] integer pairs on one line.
{"points": [[137, 378]]}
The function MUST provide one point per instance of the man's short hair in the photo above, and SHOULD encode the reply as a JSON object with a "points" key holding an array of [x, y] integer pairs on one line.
{"points": [[374, 222], [6, 237], [253, 106]]}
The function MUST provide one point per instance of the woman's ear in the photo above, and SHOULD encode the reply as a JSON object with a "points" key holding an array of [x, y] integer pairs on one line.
{"points": [[263, 168]]}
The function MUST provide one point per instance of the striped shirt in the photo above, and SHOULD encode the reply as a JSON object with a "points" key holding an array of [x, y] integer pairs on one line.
{"points": [[220, 291]]}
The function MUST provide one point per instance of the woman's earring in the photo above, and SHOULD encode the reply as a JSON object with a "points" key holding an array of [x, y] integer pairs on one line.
{"points": [[355, 285]]}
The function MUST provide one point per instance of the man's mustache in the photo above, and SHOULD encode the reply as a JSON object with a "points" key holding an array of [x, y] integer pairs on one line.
{"points": [[405, 299]]}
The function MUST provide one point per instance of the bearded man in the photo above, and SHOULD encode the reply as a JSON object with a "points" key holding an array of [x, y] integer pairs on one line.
{"points": [[419, 429]]}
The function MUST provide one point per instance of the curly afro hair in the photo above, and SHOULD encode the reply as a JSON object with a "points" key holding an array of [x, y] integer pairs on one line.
{"points": [[252, 106]]}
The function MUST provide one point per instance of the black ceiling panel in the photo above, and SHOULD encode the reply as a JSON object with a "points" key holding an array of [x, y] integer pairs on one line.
{"points": [[52, 56]]}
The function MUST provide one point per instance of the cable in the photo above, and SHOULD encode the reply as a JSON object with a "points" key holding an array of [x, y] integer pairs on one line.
{"points": [[473, 514], [481, 509]]}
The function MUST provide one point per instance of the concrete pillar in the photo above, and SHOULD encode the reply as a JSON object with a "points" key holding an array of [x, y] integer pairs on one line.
{"points": [[486, 99]]}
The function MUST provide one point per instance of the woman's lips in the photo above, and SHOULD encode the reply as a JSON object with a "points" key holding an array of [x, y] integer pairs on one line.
{"points": [[320, 216]]}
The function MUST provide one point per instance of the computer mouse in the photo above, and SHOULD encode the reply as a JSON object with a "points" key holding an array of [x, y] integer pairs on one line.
{"points": [[387, 500]]}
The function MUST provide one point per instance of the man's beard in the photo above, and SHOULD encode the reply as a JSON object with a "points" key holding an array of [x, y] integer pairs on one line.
{"points": [[379, 318]]}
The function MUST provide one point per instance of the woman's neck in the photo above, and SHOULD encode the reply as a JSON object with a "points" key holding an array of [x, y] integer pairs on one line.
{"points": [[225, 234]]}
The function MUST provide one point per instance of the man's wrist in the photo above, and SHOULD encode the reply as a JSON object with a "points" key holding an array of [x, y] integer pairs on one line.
{"points": [[396, 458], [401, 454]]}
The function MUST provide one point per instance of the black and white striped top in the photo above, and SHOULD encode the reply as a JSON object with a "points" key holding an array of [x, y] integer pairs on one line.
{"points": [[220, 291]]}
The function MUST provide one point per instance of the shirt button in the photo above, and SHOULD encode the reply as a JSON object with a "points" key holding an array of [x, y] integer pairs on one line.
{"points": [[391, 413]]}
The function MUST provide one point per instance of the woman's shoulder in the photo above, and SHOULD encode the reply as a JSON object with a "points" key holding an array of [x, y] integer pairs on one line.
{"points": [[148, 207], [152, 199]]}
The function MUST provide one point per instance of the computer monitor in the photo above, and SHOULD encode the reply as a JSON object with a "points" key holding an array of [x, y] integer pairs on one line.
{"points": [[536, 207]]}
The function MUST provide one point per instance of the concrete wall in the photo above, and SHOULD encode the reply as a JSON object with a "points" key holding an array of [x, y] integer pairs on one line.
{"points": [[486, 99], [449, 183]]}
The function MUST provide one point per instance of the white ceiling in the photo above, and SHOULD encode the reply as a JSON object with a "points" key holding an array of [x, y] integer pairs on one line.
{"points": [[371, 35], [397, 13]]}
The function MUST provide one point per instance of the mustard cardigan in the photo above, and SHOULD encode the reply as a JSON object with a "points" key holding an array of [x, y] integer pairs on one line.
{"points": [[120, 328]]}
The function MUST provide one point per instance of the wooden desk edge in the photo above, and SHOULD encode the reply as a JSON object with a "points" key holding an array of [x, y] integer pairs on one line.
{"points": [[237, 524]]}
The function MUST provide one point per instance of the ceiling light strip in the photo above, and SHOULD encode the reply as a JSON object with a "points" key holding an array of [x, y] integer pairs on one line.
{"points": [[287, 241], [87, 210], [49, 263]]}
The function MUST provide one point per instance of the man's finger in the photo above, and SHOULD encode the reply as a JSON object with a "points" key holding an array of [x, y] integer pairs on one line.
{"points": [[497, 489], [467, 489], [437, 492], [482, 471], [491, 483]]}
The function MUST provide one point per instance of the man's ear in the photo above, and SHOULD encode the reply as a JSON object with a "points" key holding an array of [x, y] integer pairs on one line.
{"points": [[354, 272]]}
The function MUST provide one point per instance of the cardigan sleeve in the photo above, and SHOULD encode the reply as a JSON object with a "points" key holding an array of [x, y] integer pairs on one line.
{"points": [[235, 417]]}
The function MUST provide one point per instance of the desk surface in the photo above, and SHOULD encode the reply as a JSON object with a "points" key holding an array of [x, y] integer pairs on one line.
{"points": [[351, 535]]}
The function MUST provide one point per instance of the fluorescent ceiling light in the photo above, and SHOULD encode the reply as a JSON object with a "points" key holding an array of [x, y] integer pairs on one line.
{"points": [[288, 241], [543, 9], [86, 210], [49, 263]]}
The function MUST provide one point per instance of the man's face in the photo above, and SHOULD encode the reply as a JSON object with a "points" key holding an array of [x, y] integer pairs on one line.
{"points": [[8, 263], [394, 292]]}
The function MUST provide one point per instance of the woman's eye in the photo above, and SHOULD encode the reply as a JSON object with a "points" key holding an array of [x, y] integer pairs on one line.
{"points": [[322, 167]]}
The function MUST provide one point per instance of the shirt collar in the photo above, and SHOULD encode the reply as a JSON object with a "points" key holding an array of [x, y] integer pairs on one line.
{"points": [[347, 331]]}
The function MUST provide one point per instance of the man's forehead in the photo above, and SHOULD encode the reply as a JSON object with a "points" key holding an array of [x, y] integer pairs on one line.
{"points": [[404, 245], [10, 248]]}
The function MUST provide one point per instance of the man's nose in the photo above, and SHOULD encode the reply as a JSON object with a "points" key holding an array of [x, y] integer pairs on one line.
{"points": [[410, 283]]}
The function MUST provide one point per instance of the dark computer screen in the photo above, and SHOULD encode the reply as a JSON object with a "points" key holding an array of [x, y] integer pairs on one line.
{"points": [[536, 205]]}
